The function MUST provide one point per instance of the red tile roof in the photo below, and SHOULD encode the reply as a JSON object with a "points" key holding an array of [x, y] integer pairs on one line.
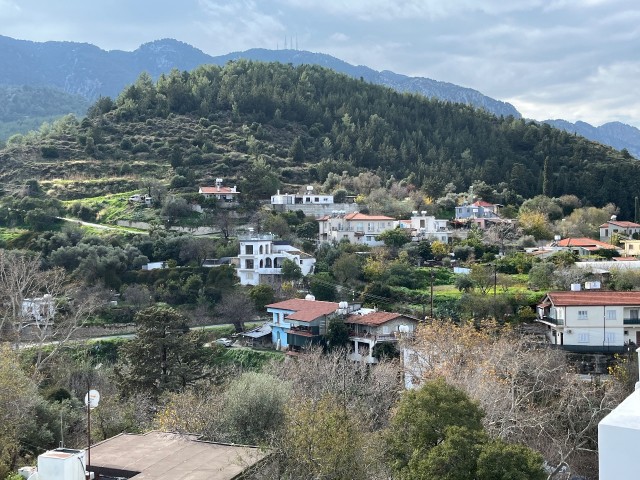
{"points": [[305, 310], [363, 216], [620, 224], [594, 298], [482, 203], [213, 190], [582, 242], [373, 319]]}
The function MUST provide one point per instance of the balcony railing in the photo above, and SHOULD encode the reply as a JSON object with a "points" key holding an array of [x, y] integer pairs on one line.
{"points": [[631, 321], [555, 321]]}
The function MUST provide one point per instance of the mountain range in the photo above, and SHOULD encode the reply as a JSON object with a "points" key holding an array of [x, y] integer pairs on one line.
{"points": [[86, 70]]}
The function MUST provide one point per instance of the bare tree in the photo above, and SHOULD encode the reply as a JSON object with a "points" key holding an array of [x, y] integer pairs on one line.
{"points": [[503, 234], [530, 393], [236, 307], [41, 307]]}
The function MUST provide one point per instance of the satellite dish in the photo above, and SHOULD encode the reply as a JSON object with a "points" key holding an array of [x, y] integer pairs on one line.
{"points": [[92, 399]]}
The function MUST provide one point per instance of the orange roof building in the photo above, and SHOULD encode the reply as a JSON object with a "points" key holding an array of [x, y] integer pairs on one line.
{"points": [[591, 320], [356, 227]]}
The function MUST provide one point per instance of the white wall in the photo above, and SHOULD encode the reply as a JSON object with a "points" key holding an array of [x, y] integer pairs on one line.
{"points": [[618, 440]]}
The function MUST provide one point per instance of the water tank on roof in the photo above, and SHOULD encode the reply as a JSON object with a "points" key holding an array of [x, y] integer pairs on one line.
{"points": [[310, 297], [575, 287], [309, 188], [424, 212], [614, 218]]}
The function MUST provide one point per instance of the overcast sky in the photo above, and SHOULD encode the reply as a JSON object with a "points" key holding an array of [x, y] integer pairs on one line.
{"points": [[571, 59]]}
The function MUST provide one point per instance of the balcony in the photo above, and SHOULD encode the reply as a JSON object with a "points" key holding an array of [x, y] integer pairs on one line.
{"points": [[268, 271], [554, 321], [631, 321], [372, 338]]}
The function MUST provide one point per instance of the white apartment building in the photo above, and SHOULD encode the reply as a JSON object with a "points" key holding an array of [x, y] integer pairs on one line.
{"points": [[261, 258]]}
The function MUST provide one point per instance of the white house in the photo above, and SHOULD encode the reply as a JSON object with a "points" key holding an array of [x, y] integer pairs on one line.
{"points": [[581, 246], [312, 204], [355, 227], [309, 198], [154, 266], [368, 328], [614, 226], [139, 198], [261, 257], [39, 310], [591, 321], [426, 227], [221, 193], [482, 213]]}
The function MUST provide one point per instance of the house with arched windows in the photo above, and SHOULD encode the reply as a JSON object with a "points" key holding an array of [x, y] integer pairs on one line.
{"points": [[261, 258]]}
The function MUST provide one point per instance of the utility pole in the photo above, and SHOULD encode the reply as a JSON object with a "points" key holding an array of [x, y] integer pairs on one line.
{"points": [[432, 274]]}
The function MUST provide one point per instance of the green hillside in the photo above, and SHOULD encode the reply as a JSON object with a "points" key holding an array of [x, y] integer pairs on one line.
{"points": [[306, 122], [25, 108]]}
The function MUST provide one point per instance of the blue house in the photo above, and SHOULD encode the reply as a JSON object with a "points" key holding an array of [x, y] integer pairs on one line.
{"points": [[298, 323]]}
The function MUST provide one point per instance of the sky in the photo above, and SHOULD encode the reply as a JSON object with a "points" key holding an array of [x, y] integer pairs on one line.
{"points": [[570, 59]]}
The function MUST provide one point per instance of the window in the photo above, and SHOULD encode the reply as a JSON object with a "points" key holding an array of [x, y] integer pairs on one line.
{"points": [[610, 338], [300, 262], [582, 315], [316, 200], [248, 264], [631, 246], [248, 250], [611, 314], [583, 338]]}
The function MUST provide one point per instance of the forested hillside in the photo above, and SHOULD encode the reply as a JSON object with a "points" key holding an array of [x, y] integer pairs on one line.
{"points": [[24, 108], [308, 121]]}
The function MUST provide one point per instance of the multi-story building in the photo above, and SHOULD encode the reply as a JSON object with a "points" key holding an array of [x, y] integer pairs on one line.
{"points": [[261, 258], [591, 321], [368, 328], [481, 213], [355, 227], [426, 227], [312, 204], [299, 323]]}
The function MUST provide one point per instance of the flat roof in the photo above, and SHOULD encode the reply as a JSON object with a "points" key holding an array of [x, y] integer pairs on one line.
{"points": [[170, 456], [626, 415]]}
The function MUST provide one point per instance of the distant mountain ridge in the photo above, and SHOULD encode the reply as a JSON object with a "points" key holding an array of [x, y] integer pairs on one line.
{"points": [[86, 70], [616, 134]]}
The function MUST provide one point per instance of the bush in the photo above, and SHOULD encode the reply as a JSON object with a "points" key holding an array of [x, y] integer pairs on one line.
{"points": [[49, 151]]}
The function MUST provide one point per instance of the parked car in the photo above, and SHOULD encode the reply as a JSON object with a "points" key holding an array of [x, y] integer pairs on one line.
{"points": [[224, 341]]}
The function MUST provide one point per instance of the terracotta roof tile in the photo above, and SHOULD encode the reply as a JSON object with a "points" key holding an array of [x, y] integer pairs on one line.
{"points": [[375, 318], [482, 203], [363, 216], [618, 223], [212, 190], [582, 242], [305, 310], [594, 298]]}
